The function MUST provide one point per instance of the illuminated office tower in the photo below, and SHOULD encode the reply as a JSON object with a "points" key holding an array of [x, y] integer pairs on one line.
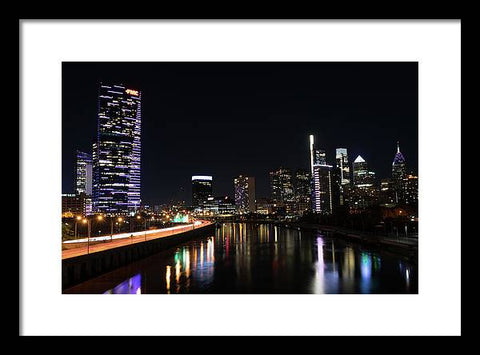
{"points": [[411, 189], [364, 193], [303, 191], [338, 199], [83, 173], [73, 205], [362, 177], [83, 180], [360, 170], [319, 157], [341, 158], [312, 149], [341, 177], [387, 193], [117, 151], [282, 193], [399, 174], [226, 206], [322, 189], [244, 187], [201, 190], [321, 180]]}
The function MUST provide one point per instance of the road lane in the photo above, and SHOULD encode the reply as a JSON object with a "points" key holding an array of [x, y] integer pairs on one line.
{"points": [[84, 248]]}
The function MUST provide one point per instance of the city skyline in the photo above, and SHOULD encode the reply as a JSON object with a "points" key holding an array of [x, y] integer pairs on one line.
{"points": [[279, 137]]}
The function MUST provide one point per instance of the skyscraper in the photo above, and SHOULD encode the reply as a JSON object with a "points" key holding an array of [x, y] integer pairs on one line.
{"points": [[364, 193], [387, 195], [341, 178], [281, 185], [117, 151], [322, 189], [321, 180], [312, 152], [244, 187], [337, 189], [319, 157], [411, 189], [73, 205], [302, 191], [201, 190], [360, 172], [341, 158], [83, 173], [399, 174], [83, 181]]}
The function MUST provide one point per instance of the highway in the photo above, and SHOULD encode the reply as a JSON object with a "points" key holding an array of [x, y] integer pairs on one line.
{"points": [[77, 247]]}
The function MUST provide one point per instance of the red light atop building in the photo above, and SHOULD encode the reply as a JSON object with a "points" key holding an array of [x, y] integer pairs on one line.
{"points": [[132, 92]]}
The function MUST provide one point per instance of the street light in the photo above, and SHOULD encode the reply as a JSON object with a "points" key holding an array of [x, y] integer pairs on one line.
{"points": [[99, 219], [120, 220], [87, 222], [89, 229], [145, 225], [111, 228], [78, 218]]}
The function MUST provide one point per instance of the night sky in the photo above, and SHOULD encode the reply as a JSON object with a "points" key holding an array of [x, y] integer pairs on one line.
{"points": [[226, 119]]}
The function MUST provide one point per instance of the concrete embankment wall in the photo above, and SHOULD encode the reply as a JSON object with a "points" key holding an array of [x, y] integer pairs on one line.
{"points": [[81, 268]]}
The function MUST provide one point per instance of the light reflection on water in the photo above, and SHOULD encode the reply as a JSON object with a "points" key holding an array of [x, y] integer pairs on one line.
{"points": [[248, 258], [131, 285]]}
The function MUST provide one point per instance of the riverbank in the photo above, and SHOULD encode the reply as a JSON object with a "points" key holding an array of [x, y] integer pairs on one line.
{"points": [[404, 245]]}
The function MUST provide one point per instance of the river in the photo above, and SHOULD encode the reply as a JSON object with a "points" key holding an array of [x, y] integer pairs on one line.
{"points": [[262, 259]]}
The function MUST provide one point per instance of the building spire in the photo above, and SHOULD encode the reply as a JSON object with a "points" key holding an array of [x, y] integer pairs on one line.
{"points": [[398, 146]]}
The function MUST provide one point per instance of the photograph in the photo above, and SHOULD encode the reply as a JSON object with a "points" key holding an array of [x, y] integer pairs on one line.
{"points": [[239, 177]]}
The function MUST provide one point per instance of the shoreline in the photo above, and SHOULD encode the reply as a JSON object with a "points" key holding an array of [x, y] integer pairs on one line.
{"points": [[401, 245]]}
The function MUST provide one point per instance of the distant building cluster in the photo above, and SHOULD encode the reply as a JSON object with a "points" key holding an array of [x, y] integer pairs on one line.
{"points": [[325, 189], [339, 187]]}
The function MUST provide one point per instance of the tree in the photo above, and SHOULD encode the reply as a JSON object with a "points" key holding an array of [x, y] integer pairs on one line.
{"points": [[67, 232]]}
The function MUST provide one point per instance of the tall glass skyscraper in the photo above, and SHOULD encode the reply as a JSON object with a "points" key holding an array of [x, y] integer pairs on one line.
{"points": [[319, 157], [321, 180], [387, 195], [83, 173], [360, 172], [399, 174], [322, 189], [364, 193], [117, 151], [201, 190], [281, 184], [341, 158], [411, 189], [341, 178], [303, 191], [244, 187]]}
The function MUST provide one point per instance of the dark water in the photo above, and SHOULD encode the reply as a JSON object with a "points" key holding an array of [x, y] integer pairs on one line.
{"points": [[249, 258]]}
